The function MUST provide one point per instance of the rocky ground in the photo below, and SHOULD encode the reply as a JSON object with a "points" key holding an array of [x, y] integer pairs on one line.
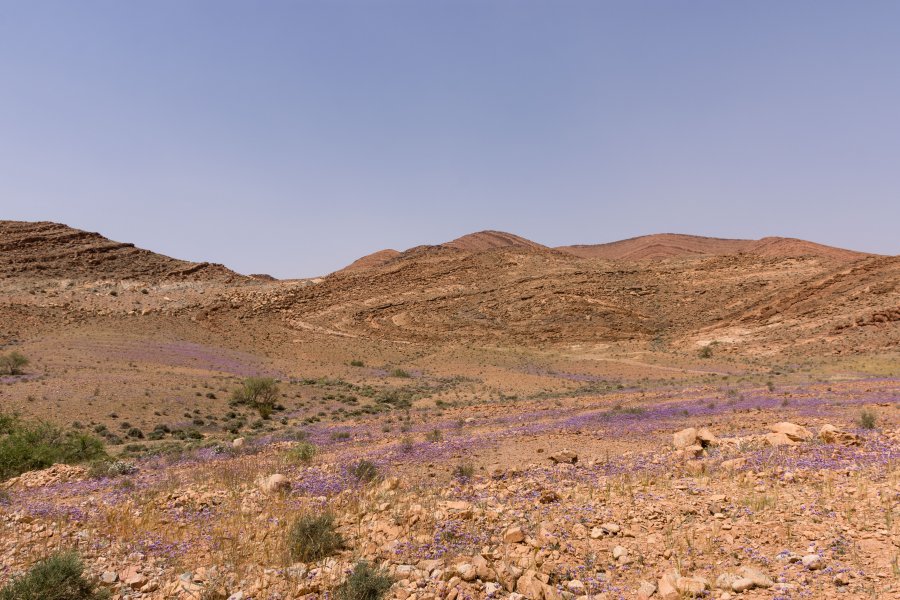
{"points": [[757, 493]]}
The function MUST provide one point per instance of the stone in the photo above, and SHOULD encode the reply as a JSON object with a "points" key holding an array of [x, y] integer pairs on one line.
{"points": [[667, 585], [618, 552], [564, 456], [610, 528], [706, 438], [813, 562], [691, 586], [646, 590], [726, 580], [684, 438], [796, 433], [514, 535], [237, 443], [275, 484], [832, 435], [759, 579], [742, 584], [779, 439], [108, 577]]}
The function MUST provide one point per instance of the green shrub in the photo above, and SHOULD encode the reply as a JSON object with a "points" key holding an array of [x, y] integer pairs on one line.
{"points": [[259, 393], [364, 583], [303, 452], [12, 363], [357, 363], [59, 577], [314, 537], [868, 419], [706, 351], [31, 446], [365, 471]]}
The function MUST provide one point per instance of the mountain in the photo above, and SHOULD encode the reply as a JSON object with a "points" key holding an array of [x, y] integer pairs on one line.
{"points": [[491, 240], [674, 245], [53, 250]]}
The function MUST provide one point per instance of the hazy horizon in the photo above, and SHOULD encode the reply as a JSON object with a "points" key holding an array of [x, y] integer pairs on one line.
{"points": [[291, 138]]}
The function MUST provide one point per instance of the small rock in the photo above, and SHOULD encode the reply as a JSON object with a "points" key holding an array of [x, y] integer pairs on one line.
{"points": [[813, 562], [514, 535], [564, 456]]}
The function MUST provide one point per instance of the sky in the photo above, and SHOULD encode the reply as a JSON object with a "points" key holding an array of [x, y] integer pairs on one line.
{"points": [[292, 137]]}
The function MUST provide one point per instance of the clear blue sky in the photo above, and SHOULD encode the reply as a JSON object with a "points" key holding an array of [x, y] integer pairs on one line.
{"points": [[291, 137]]}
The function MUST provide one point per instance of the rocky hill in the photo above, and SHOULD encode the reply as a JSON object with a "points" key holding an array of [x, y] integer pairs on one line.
{"points": [[53, 250], [674, 245]]}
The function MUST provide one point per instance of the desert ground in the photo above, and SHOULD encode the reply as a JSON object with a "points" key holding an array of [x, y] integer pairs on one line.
{"points": [[662, 417]]}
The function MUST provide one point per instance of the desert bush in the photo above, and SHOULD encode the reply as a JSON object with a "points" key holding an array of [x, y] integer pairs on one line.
{"points": [[259, 393], [464, 470], [868, 419], [303, 452], [58, 577], [706, 351], [400, 373], [31, 446], [357, 363], [313, 537], [110, 468], [12, 363], [365, 471], [434, 436], [364, 583]]}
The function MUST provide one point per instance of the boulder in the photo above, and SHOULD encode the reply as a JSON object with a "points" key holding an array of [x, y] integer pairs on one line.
{"points": [[684, 438], [779, 439], [759, 579], [275, 484], [796, 433], [832, 435], [692, 587]]}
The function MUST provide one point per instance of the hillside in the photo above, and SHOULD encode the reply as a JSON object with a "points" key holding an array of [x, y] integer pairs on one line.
{"points": [[674, 245], [53, 250]]}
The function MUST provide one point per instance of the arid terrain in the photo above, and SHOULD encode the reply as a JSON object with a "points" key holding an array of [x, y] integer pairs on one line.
{"points": [[668, 416]]}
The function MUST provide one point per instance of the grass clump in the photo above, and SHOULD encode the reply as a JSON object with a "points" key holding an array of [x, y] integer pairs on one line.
{"points": [[58, 577], [364, 583], [32, 446], [434, 436], [464, 471], [12, 363], [868, 419], [706, 351], [259, 393], [365, 471], [357, 363], [303, 452], [400, 373], [313, 537]]}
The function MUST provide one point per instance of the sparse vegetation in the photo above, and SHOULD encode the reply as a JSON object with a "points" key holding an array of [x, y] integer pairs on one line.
{"points": [[259, 393], [868, 419], [364, 583], [464, 470], [29, 446], [706, 351], [58, 577], [303, 452], [434, 436], [314, 537], [365, 471], [12, 363]]}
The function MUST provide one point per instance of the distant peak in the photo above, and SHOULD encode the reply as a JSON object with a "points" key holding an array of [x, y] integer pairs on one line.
{"points": [[488, 240]]}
